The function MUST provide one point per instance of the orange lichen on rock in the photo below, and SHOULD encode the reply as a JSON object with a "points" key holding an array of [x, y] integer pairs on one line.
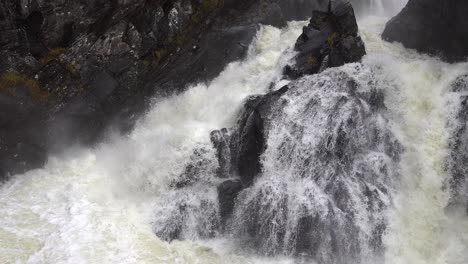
{"points": [[12, 82]]}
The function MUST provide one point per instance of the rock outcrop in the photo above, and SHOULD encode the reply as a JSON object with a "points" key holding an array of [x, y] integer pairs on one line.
{"points": [[434, 27], [331, 39], [70, 69]]}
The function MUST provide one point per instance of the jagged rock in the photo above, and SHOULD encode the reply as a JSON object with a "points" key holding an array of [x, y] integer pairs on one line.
{"points": [[431, 26], [330, 40]]}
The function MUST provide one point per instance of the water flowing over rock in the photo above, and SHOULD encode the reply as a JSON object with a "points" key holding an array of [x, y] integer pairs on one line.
{"points": [[330, 40], [330, 159], [431, 26], [310, 172], [307, 170], [458, 166]]}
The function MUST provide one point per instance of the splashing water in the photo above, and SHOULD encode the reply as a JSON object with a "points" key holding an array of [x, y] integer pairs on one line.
{"points": [[98, 205], [95, 205], [423, 106]]}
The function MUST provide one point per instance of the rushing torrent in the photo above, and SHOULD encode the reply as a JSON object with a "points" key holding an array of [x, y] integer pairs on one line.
{"points": [[106, 205]]}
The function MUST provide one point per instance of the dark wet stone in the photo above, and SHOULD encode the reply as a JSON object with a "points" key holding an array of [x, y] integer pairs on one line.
{"points": [[330, 40], [227, 194], [431, 26]]}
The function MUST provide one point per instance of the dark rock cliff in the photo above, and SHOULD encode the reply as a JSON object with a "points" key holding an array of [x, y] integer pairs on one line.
{"points": [[70, 69], [434, 27]]}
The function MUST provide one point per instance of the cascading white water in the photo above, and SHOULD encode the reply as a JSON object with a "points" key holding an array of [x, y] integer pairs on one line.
{"points": [[423, 106], [381, 8], [98, 205]]}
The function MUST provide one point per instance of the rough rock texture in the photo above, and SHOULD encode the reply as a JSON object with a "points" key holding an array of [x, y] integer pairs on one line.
{"points": [[432, 26], [69, 69], [330, 40], [457, 165], [311, 157], [247, 141]]}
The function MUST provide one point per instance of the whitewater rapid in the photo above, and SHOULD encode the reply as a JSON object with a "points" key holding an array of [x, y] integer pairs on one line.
{"points": [[98, 205]]}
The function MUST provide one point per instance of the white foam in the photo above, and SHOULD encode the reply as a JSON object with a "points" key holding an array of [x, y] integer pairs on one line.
{"points": [[95, 205]]}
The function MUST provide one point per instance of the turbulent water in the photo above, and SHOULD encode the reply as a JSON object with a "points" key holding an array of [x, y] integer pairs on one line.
{"points": [[104, 205]]}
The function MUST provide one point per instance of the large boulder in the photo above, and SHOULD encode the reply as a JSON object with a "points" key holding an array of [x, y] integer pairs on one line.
{"points": [[331, 39], [304, 163], [431, 26], [329, 156]]}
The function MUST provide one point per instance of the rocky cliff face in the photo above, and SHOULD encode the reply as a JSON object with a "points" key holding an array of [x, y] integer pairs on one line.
{"points": [[434, 27], [71, 68]]}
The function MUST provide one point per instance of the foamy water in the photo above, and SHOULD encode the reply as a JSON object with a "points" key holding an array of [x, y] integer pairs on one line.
{"points": [[97, 205]]}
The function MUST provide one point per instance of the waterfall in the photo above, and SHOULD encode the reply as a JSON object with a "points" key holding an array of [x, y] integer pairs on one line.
{"points": [[378, 7], [98, 205], [423, 107], [356, 159]]}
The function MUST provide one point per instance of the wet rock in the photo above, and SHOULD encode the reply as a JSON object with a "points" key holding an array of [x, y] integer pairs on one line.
{"points": [[227, 194], [320, 133], [21, 145], [221, 142], [331, 39], [248, 141], [434, 27]]}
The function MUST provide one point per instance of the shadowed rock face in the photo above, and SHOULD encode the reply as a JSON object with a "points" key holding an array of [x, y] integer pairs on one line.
{"points": [[330, 40], [430, 26], [81, 66]]}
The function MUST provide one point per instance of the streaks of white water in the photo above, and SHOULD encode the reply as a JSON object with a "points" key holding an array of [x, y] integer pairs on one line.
{"points": [[420, 99], [94, 206], [382, 8]]}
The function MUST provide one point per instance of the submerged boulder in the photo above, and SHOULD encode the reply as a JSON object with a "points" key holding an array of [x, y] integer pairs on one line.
{"points": [[331, 39], [433, 27], [328, 157]]}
